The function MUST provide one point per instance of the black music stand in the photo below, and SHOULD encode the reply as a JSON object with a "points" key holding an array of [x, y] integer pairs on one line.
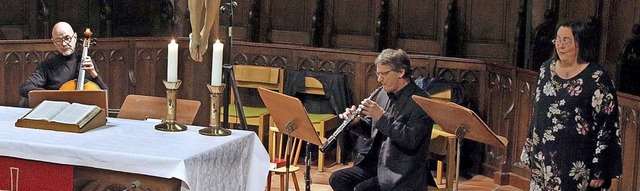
{"points": [[227, 72], [461, 122], [292, 119]]}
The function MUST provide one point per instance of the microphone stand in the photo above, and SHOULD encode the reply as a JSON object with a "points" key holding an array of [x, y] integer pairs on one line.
{"points": [[227, 72]]}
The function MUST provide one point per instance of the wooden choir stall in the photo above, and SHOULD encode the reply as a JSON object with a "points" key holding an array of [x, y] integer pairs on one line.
{"points": [[500, 95]]}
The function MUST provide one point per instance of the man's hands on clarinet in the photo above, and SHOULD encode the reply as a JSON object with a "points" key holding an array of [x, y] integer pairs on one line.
{"points": [[371, 108], [348, 112], [368, 107]]}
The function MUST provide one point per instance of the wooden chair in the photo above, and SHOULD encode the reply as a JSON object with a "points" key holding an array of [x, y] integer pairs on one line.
{"points": [[249, 76], [150, 107], [293, 153], [443, 144], [321, 122]]}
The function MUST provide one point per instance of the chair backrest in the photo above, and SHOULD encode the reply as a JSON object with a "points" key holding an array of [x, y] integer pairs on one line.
{"points": [[326, 90], [250, 76], [293, 152], [314, 97], [150, 107], [447, 91], [313, 86]]}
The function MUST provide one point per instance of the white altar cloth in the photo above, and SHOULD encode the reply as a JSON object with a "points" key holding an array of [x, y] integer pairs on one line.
{"points": [[235, 162]]}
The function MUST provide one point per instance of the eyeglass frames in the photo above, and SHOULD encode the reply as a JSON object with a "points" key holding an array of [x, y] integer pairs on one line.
{"points": [[564, 42], [67, 40], [383, 73]]}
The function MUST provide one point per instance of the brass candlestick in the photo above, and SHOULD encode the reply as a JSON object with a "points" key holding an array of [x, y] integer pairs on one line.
{"points": [[170, 123], [215, 129]]}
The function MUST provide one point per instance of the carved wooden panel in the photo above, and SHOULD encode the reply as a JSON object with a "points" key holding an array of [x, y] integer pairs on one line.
{"points": [[111, 59], [489, 29], [472, 74], [240, 21], [12, 80], [501, 95], [251, 97], [289, 21], [21, 13], [526, 84], [145, 64], [500, 115], [630, 131], [311, 59], [16, 24], [80, 15], [19, 60], [69, 11], [422, 35], [577, 9], [365, 79], [19, 20], [624, 14], [351, 24]]}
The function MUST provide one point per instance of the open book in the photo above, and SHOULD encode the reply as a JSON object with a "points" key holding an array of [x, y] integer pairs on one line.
{"points": [[64, 112]]}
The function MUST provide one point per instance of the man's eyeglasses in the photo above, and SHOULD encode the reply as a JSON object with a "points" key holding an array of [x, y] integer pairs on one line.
{"points": [[383, 73], [565, 42], [67, 40]]}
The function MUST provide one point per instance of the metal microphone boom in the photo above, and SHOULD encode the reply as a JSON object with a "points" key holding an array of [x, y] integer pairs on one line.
{"points": [[346, 122]]}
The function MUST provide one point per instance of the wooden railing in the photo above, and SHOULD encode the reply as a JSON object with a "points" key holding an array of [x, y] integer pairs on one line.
{"points": [[501, 95]]}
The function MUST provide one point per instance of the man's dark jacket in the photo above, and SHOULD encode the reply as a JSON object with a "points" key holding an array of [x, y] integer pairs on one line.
{"points": [[403, 134]]}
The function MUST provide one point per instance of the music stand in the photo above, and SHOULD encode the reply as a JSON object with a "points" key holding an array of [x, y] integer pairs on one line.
{"points": [[461, 122], [227, 72], [292, 119]]}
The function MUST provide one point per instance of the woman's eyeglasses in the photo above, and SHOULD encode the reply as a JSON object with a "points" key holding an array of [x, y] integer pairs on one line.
{"points": [[565, 42]]}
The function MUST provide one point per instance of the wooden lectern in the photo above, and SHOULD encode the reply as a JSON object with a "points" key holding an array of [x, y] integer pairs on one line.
{"points": [[461, 122], [292, 119], [89, 97]]}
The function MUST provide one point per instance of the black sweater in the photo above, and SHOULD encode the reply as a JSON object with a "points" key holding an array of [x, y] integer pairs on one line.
{"points": [[53, 72]]}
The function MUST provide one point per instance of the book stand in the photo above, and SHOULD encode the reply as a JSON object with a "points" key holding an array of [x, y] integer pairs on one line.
{"points": [[461, 122], [88, 97], [292, 119], [97, 121]]}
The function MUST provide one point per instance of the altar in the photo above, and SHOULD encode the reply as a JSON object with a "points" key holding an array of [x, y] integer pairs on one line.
{"points": [[132, 147]]}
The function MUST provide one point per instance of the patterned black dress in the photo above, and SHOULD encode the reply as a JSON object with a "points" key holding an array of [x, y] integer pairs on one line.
{"points": [[574, 135]]}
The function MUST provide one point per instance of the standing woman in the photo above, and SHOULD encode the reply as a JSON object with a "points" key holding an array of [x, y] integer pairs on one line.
{"points": [[574, 137]]}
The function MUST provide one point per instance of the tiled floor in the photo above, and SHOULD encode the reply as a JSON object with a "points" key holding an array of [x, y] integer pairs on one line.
{"points": [[320, 181]]}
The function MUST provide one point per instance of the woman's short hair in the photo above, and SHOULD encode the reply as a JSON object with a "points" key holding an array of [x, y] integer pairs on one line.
{"points": [[584, 39], [397, 60]]}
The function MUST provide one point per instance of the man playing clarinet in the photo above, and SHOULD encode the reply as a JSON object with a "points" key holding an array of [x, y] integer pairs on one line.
{"points": [[394, 133]]}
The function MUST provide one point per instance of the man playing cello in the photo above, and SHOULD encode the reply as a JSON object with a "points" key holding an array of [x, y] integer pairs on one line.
{"points": [[52, 73]]}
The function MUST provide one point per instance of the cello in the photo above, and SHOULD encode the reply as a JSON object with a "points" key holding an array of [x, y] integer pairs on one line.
{"points": [[86, 85]]}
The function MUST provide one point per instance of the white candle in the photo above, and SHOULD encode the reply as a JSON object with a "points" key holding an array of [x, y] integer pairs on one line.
{"points": [[172, 61], [216, 65]]}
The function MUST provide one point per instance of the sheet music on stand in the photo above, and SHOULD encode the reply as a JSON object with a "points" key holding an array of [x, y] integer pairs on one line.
{"points": [[462, 122], [292, 119]]}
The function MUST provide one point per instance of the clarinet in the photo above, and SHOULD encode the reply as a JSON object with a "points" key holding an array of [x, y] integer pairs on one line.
{"points": [[346, 122]]}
